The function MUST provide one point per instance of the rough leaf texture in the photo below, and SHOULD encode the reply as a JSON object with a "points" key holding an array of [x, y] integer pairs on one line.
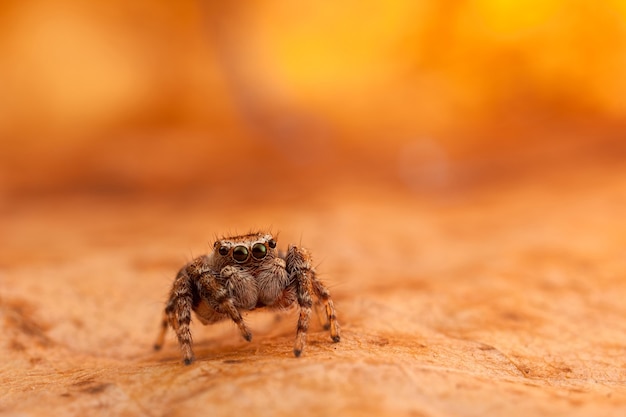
{"points": [[508, 301]]}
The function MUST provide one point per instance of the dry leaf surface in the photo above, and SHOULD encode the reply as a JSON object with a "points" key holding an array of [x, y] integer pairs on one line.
{"points": [[507, 301]]}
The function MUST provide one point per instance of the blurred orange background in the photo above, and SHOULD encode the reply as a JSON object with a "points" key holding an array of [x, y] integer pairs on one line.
{"points": [[160, 97]]}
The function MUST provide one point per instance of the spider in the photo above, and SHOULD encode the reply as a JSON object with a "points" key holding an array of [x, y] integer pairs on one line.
{"points": [[244, 273]]}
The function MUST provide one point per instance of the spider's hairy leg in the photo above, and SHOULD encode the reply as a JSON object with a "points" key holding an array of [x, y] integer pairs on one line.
{"points": [[178, 313], [322, 293], [161, 337], [299, 267], [214, 293]]}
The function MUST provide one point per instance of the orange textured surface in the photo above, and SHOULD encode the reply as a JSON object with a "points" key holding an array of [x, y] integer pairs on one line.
{"points": [[510, 303]]}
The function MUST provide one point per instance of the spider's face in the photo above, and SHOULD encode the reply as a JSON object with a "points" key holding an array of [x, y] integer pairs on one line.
{"points": [[246, 249]]}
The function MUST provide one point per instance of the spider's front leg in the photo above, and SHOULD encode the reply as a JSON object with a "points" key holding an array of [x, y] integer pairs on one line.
{"points": [[178, 315], [323, 295], [303, 275]]}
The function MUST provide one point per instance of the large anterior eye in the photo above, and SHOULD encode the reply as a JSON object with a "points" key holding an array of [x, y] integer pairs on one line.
{"points": [[240, 253], [259, 251]]}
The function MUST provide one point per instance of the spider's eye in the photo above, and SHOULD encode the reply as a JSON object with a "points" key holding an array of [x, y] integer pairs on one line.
{"points": [[223, 250], [272, 243], [240, 253], [259, 251]]}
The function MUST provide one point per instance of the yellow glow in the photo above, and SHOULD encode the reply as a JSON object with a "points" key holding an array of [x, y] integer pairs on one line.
{"points": [[511, 17], [335, 44], [619, 6]]}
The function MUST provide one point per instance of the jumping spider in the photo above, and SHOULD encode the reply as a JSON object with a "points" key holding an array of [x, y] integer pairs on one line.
{"points": [[244, 273]]}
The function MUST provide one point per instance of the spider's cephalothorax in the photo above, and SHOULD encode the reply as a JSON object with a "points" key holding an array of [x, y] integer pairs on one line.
{"points": [[244, 273]]}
